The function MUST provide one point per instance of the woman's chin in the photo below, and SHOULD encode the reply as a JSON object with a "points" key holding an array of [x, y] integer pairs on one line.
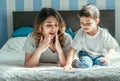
{"points": [[51, 36]]}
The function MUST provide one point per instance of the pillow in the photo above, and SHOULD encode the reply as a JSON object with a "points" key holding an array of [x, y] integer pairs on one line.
{"points": [[15, 43], [76, 31], [70, 32], [23, 31]]}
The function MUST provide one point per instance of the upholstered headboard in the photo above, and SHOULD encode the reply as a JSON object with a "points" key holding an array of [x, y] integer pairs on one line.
{"points": [[26, 18]]}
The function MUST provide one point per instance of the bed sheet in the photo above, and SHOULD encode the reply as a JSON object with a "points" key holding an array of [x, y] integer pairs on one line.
{"points": [[12, 69]]}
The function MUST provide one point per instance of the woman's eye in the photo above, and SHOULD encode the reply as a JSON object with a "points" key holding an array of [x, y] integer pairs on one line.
{"points": [[49, 25], [56, 25]]}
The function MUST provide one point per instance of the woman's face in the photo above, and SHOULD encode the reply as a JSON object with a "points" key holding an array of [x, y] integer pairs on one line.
{"points": [[50, 27]]}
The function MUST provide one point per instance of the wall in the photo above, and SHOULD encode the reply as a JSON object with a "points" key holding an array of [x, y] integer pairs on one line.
{"points": [[8, 6], [117, 20]]}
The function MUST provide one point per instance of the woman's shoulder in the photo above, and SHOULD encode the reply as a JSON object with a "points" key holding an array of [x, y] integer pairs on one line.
{"points": [[66, 35], [30, 37], [67, 40]]}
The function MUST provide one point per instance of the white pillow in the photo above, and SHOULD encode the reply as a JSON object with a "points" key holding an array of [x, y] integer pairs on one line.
{"points": [[16, 43]]}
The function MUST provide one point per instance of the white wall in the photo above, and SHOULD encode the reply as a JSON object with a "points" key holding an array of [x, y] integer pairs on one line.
{"points": [[117, 20], [8, 6]]}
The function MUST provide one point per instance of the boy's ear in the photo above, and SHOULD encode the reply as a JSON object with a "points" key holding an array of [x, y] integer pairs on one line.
{"points": [[97, 20]]}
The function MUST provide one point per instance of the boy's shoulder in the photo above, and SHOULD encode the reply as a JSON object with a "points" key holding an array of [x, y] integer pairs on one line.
{"points": [[103, 30], [80, 31]]}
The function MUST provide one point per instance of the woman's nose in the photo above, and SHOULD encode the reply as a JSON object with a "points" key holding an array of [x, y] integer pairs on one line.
{"points": [[53, 27]]}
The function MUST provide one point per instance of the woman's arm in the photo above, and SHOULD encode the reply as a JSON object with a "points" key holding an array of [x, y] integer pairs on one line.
{"points": [[60, 52], [70, 57], [32, 60], [62, 57]]}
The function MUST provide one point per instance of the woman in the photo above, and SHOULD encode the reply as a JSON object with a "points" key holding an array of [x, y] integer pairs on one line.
{"points": [[48, 43]]}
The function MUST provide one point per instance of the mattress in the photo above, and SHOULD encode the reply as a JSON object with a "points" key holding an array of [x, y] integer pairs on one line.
{"points": [[12, 69]]}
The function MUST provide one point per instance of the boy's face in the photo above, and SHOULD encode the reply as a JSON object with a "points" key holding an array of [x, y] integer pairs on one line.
{"points": [[88, 23]]}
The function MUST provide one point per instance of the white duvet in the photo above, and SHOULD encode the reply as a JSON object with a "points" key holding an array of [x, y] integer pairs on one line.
{"points": [[12, 60]]}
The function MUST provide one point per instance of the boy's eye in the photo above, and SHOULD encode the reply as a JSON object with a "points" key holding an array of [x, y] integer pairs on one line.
{"points": [[81, 23], [88, 24]]}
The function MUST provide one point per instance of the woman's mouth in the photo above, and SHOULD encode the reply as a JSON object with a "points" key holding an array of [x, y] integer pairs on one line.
{"points": [[51, 33]]}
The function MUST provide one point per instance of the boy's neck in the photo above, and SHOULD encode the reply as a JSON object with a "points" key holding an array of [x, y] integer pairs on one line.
{"points": [[93, 32]]}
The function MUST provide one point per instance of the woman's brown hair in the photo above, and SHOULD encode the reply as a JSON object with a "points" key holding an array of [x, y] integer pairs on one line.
{"points": [[38, 25]]}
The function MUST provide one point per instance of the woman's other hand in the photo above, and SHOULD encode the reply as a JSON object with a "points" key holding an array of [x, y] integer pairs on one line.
{"points": [[57, 45], [44, 43]]}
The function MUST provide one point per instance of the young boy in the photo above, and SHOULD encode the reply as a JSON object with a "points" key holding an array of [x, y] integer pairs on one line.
{"points": [[92, 44]]}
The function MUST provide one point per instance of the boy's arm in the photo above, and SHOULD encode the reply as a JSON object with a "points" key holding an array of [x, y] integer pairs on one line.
{"points": [[110, 53], [70, 57]]}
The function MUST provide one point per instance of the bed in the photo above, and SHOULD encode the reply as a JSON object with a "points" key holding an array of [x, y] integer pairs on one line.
{"points": [[12, 55]]}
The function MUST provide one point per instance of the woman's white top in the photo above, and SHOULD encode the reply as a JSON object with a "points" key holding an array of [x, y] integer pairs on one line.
{"points": [[48, 56]]}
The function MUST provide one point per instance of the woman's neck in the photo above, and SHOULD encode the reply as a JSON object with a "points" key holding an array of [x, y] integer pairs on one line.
{"points": [[52, 47]]}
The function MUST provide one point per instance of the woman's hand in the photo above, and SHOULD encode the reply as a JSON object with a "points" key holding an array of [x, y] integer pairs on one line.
{"points": [[32, 60], [57, 45], [60, 52], [68, 67], [44, 43]]}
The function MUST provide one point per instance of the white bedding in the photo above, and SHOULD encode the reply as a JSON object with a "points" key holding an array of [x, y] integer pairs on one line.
{"points": [[12, 59]]}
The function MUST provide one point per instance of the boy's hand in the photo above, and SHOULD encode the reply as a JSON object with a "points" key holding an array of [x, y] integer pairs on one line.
{"points": [[68, 67], [105, 60]]}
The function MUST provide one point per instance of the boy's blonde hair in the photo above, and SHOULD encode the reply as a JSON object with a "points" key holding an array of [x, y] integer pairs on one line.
{"points": [[89, 10]]}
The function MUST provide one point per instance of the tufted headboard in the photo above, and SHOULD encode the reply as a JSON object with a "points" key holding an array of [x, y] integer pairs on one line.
{"points": [[26, 18]]}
